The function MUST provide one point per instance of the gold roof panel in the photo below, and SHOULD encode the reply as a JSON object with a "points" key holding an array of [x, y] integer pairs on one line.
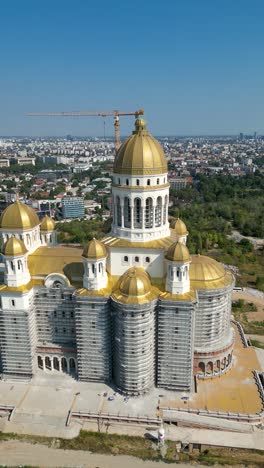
{"points": [[115, 242], [65, 260], [134, 287], [179, 227], [207, 273], [14, 247], [18, 216], [140, 154], [178, 252], [47, 224], [94, 250]]}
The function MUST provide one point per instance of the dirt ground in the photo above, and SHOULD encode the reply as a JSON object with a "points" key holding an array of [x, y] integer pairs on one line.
{"points": [[15, 453], [247, 297]]}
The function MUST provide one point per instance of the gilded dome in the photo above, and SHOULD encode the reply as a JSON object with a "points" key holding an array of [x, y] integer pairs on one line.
{"points": [[135, 287], [94, 249], [140, 154], [19, 216], [207, 273], [178, 252], [14, 247], [135, 282], [47, 224], [179, 227]]}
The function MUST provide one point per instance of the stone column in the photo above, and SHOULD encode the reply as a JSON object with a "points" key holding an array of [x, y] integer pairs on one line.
{"points": [[143, 209], [122, 216], [132, 215]]}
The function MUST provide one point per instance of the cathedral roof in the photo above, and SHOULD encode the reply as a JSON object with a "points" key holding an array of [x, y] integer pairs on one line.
{"points": [[207, 273], [179, 227], [94, 249], [18, 216], [140, 154], [178, 252], [47, 224], [14, 247]]}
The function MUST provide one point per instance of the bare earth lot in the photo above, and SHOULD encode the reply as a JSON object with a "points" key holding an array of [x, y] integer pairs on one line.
{"points": [[15, 453]]}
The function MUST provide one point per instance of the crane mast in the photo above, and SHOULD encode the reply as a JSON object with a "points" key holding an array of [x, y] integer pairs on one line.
{"points": [[115, 113]]}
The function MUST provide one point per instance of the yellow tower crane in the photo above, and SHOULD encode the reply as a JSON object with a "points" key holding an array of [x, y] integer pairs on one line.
{"points": [[116, 114]]}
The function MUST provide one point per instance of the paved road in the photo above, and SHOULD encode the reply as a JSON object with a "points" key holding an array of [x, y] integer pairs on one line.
{"points": [[14, 453]]}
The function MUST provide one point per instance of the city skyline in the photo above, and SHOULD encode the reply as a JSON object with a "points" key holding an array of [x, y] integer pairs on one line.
{"points": [[195, 69]]}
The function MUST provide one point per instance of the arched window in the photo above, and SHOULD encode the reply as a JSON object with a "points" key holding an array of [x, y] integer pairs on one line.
{"points": [[158, 212], [137, 213], [118, 181], [125, 258], [93, 269], [148, 182], [127, 182], [127, 212], [147, 260], [158, 181], [137, 259], [137, 182], [149, 213]]}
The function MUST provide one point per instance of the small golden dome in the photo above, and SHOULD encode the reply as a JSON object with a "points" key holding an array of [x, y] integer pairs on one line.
{"points": [[135, 282], [207, 273], [178, 252], [14, 247], [179, 226], [94, 249], [140, 154], [18, 216], [47, 224]]}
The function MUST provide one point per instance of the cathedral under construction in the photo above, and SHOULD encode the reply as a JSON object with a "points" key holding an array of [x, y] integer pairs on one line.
{"points": [[134, 310]]}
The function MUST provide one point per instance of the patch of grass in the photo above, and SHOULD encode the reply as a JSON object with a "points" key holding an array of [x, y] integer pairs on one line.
{"points": [[240, 309], [143, 448], [257, 344]]}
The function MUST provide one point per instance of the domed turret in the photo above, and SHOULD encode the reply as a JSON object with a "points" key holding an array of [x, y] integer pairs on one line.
{"points": [[135, 287], [179, 230], [135, 282], [94, 249], [179, 259], [47, 224], [140, 154], [94, 259], [140, 188], [19, 216], [15, 260], [14, 247], [47, 232], [179, 253]]}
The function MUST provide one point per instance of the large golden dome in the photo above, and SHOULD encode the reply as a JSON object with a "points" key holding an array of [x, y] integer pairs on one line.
{"points": [[14, 247], [47, 224], [135, 287], [94, 249], [19, 216], [135, 282], [140, 154], [179, 227], [207, 273], [178, 252]]}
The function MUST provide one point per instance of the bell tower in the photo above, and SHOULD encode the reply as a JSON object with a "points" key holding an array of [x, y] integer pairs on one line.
{"points": [[140, 190]]}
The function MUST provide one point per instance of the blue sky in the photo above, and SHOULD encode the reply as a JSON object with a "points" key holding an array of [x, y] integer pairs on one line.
{"points": [[195, 66]]}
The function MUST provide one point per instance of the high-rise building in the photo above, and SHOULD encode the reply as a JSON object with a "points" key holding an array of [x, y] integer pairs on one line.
{"points": [[72, 207], [135, 308]]}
